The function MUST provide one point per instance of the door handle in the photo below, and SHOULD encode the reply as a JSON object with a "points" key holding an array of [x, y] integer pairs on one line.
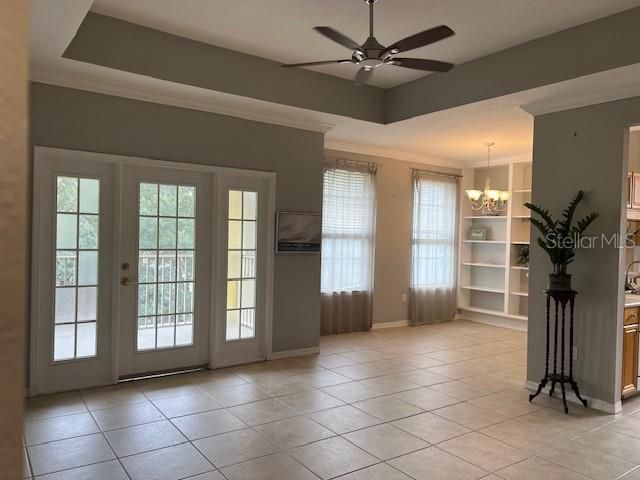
{"points": [[124, 281]]}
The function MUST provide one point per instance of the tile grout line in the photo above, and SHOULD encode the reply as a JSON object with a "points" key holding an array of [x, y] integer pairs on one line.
{"points": [[105, 438]]}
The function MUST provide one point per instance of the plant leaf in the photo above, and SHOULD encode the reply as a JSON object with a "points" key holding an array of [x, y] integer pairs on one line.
{"points": [[568, 212], [543, 212], [544, 229], [584, 223]]}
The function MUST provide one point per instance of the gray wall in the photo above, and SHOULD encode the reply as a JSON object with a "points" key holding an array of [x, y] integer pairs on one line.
{"points": [[74, 119], [584, 149], [114, 43], [392, 266], [603, 44]]}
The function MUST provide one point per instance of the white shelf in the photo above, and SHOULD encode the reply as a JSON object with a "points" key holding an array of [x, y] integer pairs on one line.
{"points": [[484, 241], [483, 289], [487, 311], [480, 264], [496, 264]]}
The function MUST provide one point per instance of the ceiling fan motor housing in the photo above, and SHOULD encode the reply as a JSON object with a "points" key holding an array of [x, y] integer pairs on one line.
{"points": [[370, 54]]}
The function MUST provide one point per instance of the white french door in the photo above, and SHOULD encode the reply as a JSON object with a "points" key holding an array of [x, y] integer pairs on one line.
{"points": [[165, 258], [70, 341], [141, 266], [243, 248]]}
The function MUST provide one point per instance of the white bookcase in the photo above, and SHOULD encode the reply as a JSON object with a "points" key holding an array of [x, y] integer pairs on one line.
{"points": [[492, 286]]}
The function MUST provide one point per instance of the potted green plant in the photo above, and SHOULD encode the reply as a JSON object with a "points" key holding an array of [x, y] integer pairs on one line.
{"points": [[560, 239]]}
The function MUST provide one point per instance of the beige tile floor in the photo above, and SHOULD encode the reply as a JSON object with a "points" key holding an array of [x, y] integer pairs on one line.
{"points": [[437, 402]]}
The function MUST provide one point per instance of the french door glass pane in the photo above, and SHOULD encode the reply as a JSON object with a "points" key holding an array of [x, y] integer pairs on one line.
{"points": [[241, 264], [76, 271], [166, 256]]}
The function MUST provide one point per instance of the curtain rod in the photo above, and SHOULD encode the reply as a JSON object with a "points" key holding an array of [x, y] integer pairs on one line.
{"points": [[433, 172], [348, 160]]}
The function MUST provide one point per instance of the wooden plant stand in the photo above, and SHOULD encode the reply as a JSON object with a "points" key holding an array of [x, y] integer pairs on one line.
{"points": [[561, 298]]}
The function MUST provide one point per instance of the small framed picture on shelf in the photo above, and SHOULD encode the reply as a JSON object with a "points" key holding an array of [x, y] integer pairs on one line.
{"points": [[478, 233]]}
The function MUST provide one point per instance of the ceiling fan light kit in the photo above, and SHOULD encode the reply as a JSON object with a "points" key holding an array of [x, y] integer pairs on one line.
{"points": [[372, 54]]}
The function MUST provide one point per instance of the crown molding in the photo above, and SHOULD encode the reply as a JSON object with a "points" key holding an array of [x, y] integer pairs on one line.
{"points": [[390, 153], [160, 93], [500, 161], [593, 98]]}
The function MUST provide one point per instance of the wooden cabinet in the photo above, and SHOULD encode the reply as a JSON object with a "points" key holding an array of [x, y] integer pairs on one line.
{"points": [[630, 344], [631, 315]]}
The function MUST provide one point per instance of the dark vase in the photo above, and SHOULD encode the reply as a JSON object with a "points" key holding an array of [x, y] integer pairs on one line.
{"points": [[559, 281]]}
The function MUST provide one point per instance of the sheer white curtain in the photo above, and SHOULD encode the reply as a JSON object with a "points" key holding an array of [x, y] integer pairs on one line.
{"points": [[348, 217], [433, 253]]}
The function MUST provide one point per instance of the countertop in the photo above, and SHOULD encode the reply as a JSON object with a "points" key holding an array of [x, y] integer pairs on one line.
{"points": [[631, 300]]}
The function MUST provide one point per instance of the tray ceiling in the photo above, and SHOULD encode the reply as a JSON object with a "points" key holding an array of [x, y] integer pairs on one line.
{"points": [[280, 30]]}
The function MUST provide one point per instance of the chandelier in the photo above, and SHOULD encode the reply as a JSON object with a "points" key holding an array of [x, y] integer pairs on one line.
{"points": [[488, 201]]}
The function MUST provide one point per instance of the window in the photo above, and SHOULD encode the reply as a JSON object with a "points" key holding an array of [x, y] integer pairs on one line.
{"points": [[76, 290], [166, 259], [347, 228], [242, 224], [434, 231]]}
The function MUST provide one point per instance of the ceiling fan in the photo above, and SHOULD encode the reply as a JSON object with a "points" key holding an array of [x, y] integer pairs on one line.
{"points": [[371, 54]]}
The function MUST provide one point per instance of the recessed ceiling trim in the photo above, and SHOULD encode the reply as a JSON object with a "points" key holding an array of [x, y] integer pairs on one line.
{"points": [[202, 102], [592, 98], [388, 153]]}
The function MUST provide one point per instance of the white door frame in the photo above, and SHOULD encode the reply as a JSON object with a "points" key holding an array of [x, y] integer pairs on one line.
{"points": [[43, 155]]}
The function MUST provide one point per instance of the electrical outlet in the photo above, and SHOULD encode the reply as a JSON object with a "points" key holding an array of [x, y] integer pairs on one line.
{"points": [[574, 354], [404, 298]]}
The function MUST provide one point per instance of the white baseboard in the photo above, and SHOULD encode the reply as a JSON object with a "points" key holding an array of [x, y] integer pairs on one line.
{"points": [[595, 403], [300, 352], [493, 320], [400, 323]]}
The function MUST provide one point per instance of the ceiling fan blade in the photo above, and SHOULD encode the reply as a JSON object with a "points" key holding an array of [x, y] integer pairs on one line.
{"points": [[422, 64], [311, 64], [363, 76], [338, 37], [420, 39]]}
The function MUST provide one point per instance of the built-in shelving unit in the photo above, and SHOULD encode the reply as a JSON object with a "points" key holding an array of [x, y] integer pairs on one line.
{"points": [[480, 264], [493, 286], [483, 241]]}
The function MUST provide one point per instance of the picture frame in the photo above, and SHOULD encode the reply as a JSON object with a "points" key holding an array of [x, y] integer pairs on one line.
{"points": [[477, 233], [298, 232]]}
